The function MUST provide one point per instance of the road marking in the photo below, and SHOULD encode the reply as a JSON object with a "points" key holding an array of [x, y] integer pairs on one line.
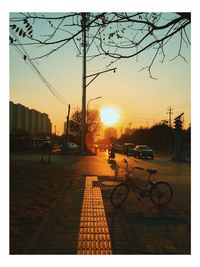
{"points": [[94, 237]]}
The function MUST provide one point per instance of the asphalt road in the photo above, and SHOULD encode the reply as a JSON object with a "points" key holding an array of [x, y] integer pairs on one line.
{"points": [[176, 173]]}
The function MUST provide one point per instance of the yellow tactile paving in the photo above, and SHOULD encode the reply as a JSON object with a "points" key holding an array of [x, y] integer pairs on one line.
{"points": [[94, 235]]}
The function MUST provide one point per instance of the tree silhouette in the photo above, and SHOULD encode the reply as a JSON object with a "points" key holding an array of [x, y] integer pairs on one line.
{"points": [[93, 122], [116, 35]]}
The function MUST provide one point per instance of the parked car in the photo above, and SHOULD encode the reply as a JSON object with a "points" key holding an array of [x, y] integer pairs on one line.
{"points": [[119, 148], [129, 148], [143, 151], [71, 148]]}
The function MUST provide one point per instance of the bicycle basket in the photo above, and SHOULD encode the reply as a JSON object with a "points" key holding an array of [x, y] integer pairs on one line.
{"points": [[120, 175]]}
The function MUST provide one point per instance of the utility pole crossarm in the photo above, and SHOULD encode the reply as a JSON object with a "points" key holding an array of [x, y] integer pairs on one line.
{"points": [[97, 74], [92, 80], [179, 116]]}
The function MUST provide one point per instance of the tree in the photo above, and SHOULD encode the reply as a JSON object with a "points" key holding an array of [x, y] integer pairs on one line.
{"points": [[93, 124], [116, 35], [159, 137], [75, 123]]}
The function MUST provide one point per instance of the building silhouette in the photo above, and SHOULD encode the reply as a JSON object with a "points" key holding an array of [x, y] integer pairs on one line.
{"points": [[23, 119]]}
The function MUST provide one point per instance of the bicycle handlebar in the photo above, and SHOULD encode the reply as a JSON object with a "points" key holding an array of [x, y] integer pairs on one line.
{"points": [[138, 168]]}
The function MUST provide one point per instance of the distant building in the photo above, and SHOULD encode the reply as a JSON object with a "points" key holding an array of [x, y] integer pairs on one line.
{"points": [[110, 133], [21, 112], [28, 120], [34, 121]]}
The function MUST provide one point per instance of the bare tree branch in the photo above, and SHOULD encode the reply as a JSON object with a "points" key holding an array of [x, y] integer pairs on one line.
{"points": [[186, 15], [180, 47], [116, 35]]}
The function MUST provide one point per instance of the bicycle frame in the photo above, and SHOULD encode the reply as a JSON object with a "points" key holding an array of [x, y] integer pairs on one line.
{"points": [[132, 183]]}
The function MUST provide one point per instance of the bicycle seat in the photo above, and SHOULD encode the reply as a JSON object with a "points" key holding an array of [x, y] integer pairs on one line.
{"points": [[151, 171]]}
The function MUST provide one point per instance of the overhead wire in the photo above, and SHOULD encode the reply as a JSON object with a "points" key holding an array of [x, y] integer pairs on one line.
{"points": [[140, 118], [30, 63]]}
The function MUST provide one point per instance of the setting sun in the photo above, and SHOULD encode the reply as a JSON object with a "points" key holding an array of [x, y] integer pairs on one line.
{"points": [[109, 116]]}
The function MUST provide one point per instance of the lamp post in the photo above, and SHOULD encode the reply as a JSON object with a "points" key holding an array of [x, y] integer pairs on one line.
{"points": [[88, 104], [89, 137], [88, 108]]}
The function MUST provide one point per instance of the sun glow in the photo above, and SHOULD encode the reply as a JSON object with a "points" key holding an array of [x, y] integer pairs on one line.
{"points": [[109, 116]]}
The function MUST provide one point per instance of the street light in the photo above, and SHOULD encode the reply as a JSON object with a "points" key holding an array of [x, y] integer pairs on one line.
{"points": [[88, 135], [92, 100], [89, 102]]}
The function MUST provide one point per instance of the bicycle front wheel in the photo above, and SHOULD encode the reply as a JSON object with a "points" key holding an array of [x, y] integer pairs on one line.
{"points": [[161, 193], [119, 194]]}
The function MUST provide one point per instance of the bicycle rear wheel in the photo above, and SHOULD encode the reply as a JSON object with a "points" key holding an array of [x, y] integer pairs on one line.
{"points": [[161, 193], [119, 194]]}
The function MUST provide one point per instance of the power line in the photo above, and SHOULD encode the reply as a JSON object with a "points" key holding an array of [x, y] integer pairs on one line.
{"points": [[135, 117], [187, 104], [30, 63]]}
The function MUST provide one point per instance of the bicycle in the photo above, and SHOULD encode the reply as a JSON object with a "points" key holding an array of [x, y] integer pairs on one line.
{"points": [[160, 192]]}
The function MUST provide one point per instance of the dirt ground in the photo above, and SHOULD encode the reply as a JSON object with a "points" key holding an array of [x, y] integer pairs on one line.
{"points": [[34, 187]]}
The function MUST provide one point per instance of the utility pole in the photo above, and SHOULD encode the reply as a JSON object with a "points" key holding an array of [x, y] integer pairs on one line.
{"points": [[178, 138], [67, 127], [85, 28], [83, 24], [170, 116]]}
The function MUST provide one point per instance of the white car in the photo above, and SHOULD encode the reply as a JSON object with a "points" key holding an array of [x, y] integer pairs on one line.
{"points": [[71, 148], [72, 145]]}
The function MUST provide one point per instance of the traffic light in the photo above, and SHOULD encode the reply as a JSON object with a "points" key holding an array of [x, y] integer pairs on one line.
{"points": [[178, 124]]}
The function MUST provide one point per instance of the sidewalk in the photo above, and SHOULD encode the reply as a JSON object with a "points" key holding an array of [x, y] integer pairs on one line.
{"points": [[59, 234], [140, 227]]}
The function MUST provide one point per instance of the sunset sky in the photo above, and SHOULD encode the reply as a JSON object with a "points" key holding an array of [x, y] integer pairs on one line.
{"points": [[139, 100]]}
